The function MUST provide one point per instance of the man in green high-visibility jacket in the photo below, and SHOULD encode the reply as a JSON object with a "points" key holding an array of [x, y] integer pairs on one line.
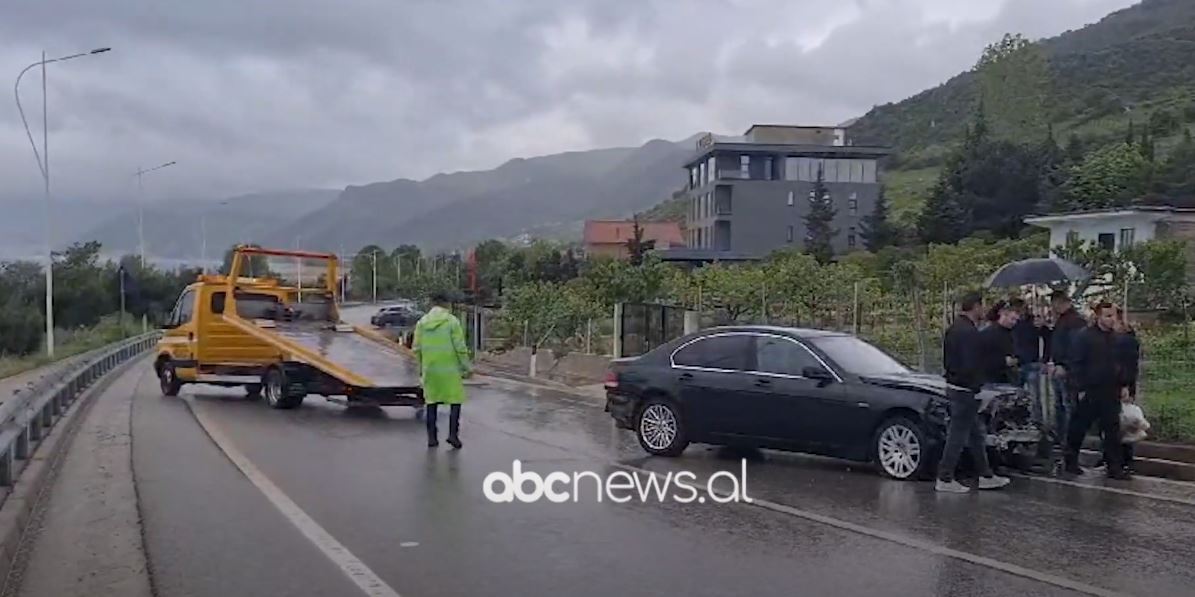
{"points": [[439, 345]]}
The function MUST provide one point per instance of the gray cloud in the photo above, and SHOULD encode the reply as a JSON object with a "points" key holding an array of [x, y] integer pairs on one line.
{"points": [[250, 95]]}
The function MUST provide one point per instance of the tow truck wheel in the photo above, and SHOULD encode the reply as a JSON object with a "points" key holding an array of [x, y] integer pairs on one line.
{"points": [[168, 379], [277, 390]]}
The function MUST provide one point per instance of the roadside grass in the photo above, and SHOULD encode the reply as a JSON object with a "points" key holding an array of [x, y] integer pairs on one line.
{"points": [[69, 343], [1168, 399]]}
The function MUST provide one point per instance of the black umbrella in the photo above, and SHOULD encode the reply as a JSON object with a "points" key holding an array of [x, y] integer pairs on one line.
{"points": [[1036, 271]]}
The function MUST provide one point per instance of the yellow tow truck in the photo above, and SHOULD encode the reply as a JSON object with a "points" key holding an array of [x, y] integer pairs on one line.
{"points": [[272, 326]]}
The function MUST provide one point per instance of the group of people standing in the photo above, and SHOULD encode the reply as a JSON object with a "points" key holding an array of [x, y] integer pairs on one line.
{"points": [[1092, 369]]}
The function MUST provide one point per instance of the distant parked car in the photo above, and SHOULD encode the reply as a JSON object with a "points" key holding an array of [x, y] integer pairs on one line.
{"points": [[798, 390], [396, 316]]}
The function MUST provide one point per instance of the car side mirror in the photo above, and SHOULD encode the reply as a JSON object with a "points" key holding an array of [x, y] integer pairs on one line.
{"points": [[817, 374]]}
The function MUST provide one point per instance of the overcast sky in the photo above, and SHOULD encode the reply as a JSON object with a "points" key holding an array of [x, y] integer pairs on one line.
{"points": [[254, 95]]}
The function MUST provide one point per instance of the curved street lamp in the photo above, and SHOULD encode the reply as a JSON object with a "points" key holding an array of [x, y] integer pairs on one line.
{"points": [[43, 164]]}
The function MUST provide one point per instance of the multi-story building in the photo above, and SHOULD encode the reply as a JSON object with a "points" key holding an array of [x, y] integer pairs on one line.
{"points": [[750, 195]]}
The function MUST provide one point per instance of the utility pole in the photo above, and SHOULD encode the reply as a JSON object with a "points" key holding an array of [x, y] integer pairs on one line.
{"points": [[375, 277]]}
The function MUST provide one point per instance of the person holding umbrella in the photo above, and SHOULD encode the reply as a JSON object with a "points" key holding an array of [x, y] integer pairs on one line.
{"points": [[1042, 271]]}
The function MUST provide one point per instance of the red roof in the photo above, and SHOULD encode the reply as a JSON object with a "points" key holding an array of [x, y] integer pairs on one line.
{"points": [[606, 232]]}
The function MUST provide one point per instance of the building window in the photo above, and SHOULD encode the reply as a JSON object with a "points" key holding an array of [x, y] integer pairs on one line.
{"points": [[745, 167], [712, 169], [1106, 240], [850, 237], [869, 171], [767, 168], [701, 173], [693, 177], [1127, 237], [790, 234], [723, 204], [852, 206], [854, 195], [792, 198]]}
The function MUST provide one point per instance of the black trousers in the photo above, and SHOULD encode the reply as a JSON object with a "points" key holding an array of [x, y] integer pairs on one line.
{"points": [[1100, 405], [454, 420]]}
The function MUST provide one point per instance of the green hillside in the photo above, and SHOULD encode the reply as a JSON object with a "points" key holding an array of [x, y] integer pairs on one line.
{"points": [[1137, 65]]}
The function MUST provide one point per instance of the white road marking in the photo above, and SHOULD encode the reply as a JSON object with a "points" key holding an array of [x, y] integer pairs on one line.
{"points": [[933, 548], [1116, 490], [356, 570], [409, 544]]}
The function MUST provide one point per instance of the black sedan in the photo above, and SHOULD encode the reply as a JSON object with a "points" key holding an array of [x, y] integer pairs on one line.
{"points": [[783, 388]]}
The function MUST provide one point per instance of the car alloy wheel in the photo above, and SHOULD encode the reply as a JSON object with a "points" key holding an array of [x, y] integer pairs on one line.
{"points": [[899, 451], [657, 426]]}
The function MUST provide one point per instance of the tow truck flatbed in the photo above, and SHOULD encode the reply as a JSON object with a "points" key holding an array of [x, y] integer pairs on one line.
{"points": [[286, 341]]}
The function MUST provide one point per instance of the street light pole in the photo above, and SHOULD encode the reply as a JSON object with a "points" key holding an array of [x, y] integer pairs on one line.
{"points": [[375, 277], [43, 164], [141, 207]]}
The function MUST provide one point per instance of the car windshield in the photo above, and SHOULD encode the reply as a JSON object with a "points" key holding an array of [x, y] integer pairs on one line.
{"points": [[858, 357]]}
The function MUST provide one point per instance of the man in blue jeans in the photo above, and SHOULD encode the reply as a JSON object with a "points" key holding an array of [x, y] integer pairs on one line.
{"points": [[1067, 324], [1027, 337]]}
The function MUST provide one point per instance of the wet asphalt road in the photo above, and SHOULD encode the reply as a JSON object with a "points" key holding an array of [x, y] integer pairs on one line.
{"points": [[419, 520]]}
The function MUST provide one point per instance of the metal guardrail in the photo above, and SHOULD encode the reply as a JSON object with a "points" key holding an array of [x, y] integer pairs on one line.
{"points": [[25, 419]]}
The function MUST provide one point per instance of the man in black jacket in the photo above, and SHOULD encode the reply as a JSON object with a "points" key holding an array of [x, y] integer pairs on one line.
{"points": [[962, 355], [1067, 324], [1096, 373], [999, 357], [1028, 337]]}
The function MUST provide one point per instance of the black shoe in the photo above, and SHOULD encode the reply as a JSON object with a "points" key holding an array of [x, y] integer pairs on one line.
{"points": [[1121, 475], [433, 443], [1073, 468], [455, 442]]}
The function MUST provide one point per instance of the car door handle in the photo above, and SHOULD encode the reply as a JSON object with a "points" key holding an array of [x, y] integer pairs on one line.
{"points": [[686, 377], [763, 383], [862, 405]]}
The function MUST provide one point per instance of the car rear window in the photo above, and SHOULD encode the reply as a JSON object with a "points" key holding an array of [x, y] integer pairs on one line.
{"points": [[728, 351]]}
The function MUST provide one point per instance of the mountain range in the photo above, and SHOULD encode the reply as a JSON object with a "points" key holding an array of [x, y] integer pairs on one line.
{"points": [[1129, 65]]}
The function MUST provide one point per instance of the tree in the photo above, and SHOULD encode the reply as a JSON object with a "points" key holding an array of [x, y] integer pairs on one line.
{"points": [[635, 245], [876, 230], [1130, 136], [370, 260], [1074, 149], [944, 217], [735, 290], [258, 266], [1109, 177], [1014, 82], [1147, 146], [819, 231], [1175, 177], [1163, 122]]}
